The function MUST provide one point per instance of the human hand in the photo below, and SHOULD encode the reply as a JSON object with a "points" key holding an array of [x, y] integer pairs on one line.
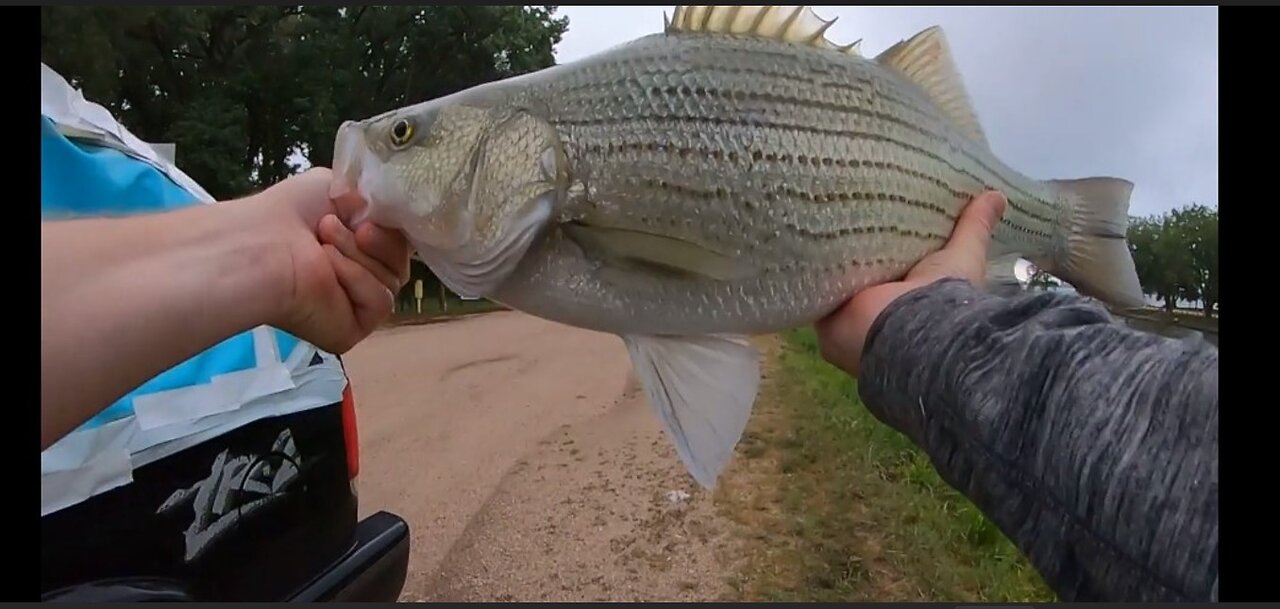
{"points": [[842, 334], [342, 283]]}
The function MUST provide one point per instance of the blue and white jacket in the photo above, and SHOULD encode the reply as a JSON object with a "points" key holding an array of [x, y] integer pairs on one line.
{"points": [[91, 165]]}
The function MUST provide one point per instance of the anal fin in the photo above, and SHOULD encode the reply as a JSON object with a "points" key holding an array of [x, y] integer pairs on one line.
{"points": [[702, 389]]}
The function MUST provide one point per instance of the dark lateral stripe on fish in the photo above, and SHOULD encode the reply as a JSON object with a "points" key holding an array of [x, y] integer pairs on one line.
{"points": [[838, 265], [883, 95], [758, 155], [756, 123], [841, 196], [820, 197], [862, 230], [1010, 188], [593, 88], [827, 196], [734, 95]]}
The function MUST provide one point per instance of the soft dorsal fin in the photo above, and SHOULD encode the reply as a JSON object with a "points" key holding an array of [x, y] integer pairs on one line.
{"points": [[798, 25], [925, 59]]}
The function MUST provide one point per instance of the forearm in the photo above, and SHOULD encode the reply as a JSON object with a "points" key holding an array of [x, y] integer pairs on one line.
{"points": [[142, 294], [1092, 445]]}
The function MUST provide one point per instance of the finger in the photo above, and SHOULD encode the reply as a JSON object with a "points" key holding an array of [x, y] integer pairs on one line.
{"points": [[386, 246], [976, 224], [965, 254], [333, 232], [350, 207], [371, 300]]}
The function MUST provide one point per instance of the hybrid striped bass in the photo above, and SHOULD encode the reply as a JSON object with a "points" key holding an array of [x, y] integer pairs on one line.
{"points": [[734, 174]]}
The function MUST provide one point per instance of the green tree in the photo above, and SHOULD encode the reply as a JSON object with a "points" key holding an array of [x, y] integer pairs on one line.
{"points": [[387, 57], [1197, 226], [243, 90], [195, 76], [1144, 243], [1040, 278], [1176, 255]]}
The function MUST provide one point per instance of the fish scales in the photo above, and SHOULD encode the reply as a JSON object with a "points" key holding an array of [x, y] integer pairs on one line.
{"points": [[783, 104], [735, 174], [836, 92], [845, 174]]}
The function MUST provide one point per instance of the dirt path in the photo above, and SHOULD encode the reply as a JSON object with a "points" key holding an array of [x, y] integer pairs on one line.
{"points": [[528, 466]]}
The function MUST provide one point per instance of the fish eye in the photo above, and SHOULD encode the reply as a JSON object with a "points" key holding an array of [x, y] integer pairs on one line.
{"points": [[401, 132]]}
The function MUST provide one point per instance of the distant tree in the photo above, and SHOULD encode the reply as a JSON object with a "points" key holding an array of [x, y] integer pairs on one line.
{"points": [[1198, 228], [1040, 278], [242, 89], [1176, 255], [386, 57]]}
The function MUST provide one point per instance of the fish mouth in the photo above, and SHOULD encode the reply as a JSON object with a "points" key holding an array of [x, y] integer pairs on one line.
{"points": [[349, 152], [360, 186]]}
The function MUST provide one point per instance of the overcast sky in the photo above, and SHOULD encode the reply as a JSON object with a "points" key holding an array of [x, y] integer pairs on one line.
{"points": [[1062, 92]]}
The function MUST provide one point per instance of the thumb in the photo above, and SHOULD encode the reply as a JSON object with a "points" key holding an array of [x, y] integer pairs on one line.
{"points": [[977, 222], [965, 253]]}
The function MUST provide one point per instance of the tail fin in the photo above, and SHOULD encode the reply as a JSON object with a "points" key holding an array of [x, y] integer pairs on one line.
{"points": [[1098, 261]]}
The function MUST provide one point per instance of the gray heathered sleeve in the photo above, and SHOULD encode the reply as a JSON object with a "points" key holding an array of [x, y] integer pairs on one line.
{"points": [[1092, 445]]}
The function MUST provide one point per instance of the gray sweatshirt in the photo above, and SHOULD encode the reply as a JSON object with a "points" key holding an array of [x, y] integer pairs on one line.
{"points": [[1093, 446]]}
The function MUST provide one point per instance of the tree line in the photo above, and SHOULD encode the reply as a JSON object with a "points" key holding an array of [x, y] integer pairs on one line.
{"points": [[245, 91], [1175, 254]]}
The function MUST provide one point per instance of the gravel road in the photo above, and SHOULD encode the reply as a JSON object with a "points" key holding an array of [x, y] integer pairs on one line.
{"points": [[529, 467]]}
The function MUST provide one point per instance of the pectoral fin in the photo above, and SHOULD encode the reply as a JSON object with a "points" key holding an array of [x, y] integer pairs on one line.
{"points": [[631, 249], [702, 388]]}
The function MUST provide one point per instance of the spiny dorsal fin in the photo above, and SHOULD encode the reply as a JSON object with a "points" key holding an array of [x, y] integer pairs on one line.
{"points": [[798, 25], [925, 59]]}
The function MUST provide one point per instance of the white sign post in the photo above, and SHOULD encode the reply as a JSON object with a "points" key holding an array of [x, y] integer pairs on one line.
{"points": [[417, 294]]}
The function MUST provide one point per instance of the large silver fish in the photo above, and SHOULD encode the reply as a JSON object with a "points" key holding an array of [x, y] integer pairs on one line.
{"points": [[735, 174]]}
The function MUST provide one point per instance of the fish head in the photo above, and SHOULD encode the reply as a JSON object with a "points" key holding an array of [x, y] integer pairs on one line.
{"points": [[469, 185], [406, 166]]}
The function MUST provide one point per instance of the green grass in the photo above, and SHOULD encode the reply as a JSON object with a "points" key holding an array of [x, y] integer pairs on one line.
{"points": [[854, 511]]}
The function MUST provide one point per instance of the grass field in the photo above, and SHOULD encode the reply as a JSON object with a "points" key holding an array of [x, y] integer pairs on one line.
{"points": [[839, 507]]}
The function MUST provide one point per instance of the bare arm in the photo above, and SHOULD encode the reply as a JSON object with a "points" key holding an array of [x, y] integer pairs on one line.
{"points": [[124, 299]]}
